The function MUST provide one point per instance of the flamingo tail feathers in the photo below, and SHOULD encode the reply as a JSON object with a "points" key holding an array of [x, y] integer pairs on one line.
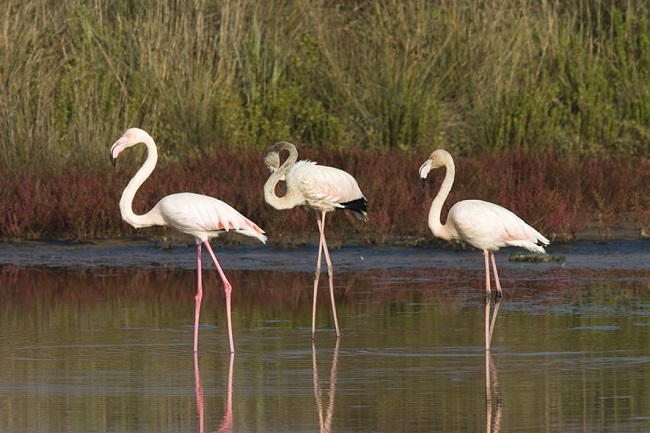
{"points": [[359, 207]]}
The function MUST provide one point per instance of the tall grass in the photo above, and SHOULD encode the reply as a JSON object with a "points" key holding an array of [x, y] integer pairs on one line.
{"points": [[549, 100], [474, 76]]}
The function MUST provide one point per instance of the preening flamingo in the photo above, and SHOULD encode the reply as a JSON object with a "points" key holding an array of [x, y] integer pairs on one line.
{"points": [[197, 215], [481, 224], [318, 187]]}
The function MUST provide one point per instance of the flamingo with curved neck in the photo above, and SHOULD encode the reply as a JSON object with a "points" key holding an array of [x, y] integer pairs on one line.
{"points": [[318, 187], [481, 224], [199, 216]]}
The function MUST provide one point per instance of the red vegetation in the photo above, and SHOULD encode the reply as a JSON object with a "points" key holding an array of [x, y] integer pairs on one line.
{"points": [[558, 195]]}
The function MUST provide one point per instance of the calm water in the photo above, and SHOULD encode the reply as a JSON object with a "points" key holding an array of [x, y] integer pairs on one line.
{"points": [[98, 338]]}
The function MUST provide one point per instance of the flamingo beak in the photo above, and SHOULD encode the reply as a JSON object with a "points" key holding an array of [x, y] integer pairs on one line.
{"points": [[424, 172], [117, 148]]}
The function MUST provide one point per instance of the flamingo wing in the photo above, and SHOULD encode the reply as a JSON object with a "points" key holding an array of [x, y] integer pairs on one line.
{"points": [[204, 217], [488, 226], [323, 187]]}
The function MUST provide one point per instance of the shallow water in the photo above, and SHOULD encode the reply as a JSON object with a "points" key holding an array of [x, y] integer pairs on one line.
{"points": [[98, 338]]}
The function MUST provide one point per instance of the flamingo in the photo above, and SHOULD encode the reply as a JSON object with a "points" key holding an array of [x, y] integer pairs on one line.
{"points": [[481, 224], [199, 216], [318, 187]]}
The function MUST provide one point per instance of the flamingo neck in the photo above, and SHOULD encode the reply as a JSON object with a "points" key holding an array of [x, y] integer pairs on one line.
{"points": [[291, 198], [442, 230], [126, 201]]}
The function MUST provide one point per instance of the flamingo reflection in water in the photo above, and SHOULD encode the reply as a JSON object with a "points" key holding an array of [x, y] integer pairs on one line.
{"points": [[326, 416], [225, 426], [492, 391]]}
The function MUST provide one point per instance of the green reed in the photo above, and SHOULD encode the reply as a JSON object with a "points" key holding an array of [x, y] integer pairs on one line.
{"points": [[473, 76]]}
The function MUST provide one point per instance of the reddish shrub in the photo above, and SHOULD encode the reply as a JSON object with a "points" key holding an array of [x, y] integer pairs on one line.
{"points": [[558, 195]]}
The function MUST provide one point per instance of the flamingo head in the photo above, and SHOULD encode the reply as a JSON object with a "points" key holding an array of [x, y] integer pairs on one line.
{"points": [[437, 159], [272, 160], [131, 137]]}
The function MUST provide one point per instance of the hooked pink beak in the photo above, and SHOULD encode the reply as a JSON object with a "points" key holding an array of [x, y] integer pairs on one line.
{"points": [[117, 148]]}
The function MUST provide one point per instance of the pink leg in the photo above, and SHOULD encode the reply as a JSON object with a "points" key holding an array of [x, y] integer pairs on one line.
{"points": [[488, 293], [197, 298], [496, 278], [227, 288], [498, 296], [330, 273], [317, 275]]}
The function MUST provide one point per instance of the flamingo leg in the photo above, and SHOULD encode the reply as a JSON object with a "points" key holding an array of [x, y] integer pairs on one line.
{"points": [[488, 293], [197, 298], [317, 275], [227, 288], [499, 295], [330, 273]]}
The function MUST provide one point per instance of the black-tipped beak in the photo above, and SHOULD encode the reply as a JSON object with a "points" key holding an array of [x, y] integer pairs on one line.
{"points": [[113, 161], [423, 181]]}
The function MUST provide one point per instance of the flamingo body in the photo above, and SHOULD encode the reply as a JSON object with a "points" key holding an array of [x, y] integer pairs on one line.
{"points": [[199, 216], [481, 224], [488, 226], [324, 188], [318, 187], [203, 217]]}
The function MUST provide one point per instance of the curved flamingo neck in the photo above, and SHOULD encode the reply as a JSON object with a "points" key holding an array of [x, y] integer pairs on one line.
{"points": [[291, 198], [442, 230], [126, 201]]}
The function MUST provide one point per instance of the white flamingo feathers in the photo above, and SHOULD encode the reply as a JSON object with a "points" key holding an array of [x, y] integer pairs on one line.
{"points": [[197, 215], [318, 187], [481, 224]]}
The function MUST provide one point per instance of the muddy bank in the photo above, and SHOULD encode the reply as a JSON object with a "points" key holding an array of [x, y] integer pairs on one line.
{"points": [[588, 253]]}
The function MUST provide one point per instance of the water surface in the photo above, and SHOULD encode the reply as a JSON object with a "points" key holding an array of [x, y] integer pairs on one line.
{"points": [[98, 338]]}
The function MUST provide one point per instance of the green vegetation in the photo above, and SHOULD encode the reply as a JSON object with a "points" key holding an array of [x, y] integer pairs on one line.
{"points": [[382, 81], [472, 76]]}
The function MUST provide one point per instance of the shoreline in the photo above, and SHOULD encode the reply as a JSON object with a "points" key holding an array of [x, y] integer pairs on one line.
{"points": [[311, 239]]}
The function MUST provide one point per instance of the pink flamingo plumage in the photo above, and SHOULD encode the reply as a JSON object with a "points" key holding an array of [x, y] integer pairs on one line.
{"points": [[197, 215], [481, 224], [318, 187]]}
